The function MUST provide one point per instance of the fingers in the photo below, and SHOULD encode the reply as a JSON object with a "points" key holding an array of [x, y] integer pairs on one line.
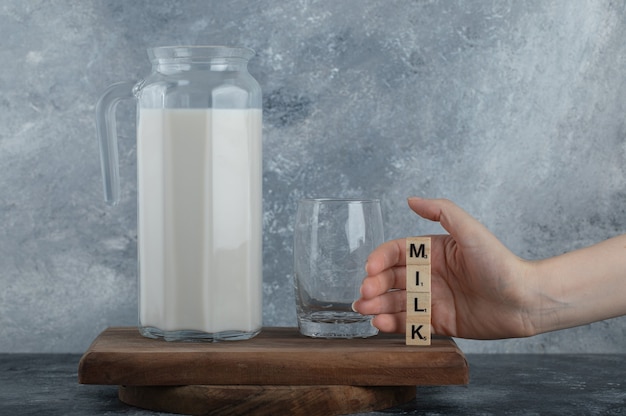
{"points": [[390, 322], [389, 302], [387, 255], [393, 278]]}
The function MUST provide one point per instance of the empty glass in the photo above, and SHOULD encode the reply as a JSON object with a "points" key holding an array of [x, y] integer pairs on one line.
{"points": [[332, 240]]}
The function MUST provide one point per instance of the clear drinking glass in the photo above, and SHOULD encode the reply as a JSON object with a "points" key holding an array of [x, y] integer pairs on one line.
{"points": [[332, 240]]}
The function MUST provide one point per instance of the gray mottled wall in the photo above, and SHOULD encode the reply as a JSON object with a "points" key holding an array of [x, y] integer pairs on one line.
{"points": [[515, 110]]}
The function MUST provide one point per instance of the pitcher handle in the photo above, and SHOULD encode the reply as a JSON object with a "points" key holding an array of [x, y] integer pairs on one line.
{"points": [[107, 136]]}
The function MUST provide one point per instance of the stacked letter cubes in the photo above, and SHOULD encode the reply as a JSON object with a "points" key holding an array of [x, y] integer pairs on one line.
{"points": [[418, 291]]}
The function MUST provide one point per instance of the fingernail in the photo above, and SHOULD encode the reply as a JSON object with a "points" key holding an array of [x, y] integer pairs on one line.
{"points": [[374, 326], [352, 306]]}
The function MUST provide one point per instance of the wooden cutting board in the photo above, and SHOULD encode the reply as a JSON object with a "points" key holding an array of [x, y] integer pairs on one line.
{"points": [[277, 356], [274, 367]]}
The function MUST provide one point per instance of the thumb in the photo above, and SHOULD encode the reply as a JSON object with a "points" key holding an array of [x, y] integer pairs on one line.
{"points": [[458, 223]]}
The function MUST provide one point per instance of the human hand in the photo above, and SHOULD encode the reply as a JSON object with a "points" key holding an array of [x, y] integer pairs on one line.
{"points": [[478, 286]]}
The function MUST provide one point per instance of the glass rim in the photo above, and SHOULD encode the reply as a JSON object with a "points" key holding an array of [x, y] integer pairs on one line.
{"points": [[341, 200]]}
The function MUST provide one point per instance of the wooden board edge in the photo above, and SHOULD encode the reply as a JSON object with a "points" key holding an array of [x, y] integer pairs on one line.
{"points": [[118, 371]]}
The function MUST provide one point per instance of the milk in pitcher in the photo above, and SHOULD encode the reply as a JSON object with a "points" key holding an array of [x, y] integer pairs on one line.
{"points": [[199, 183]]}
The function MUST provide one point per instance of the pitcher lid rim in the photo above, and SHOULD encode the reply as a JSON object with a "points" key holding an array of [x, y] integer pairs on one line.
{"points": [[199, 51]]}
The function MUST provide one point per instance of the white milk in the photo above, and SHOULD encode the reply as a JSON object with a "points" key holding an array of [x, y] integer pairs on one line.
{"points": [[199, 184]]}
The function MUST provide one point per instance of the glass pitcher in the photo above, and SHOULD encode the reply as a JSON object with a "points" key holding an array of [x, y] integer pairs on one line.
{"points": [[199, 173]]}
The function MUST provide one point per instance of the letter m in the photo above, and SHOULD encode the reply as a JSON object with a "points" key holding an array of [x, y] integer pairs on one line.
{"points": [[417, 252]]}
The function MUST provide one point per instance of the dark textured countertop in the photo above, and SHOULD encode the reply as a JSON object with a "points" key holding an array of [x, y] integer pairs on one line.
{"points": [[513, 384]]}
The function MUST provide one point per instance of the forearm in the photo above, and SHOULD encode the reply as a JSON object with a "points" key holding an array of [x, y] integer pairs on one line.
{"points": [[579, 287]]}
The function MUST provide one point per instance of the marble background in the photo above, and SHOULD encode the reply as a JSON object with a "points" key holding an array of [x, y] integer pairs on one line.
{"points": [[515, 110]]}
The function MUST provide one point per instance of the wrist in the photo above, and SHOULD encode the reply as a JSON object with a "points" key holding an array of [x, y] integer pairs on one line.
{"points": [[544, 302], [578, 287], [534, 303]]}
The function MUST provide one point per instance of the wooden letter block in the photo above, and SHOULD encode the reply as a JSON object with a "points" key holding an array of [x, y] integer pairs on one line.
{"points": [[418, 278], [418, 250], [417, 304], [418, 330], [418, 300]]}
